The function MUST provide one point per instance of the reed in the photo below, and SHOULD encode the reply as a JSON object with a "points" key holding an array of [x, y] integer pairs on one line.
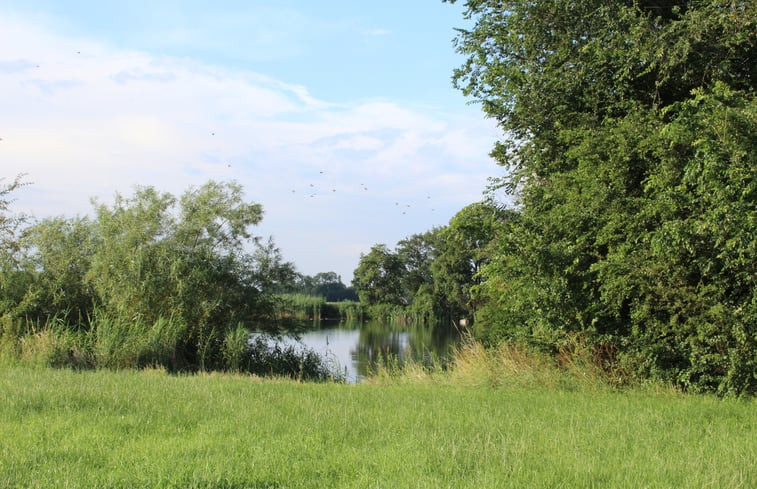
{"points": [[509, 365], [347, 311], [117, 343], [299, 306]]}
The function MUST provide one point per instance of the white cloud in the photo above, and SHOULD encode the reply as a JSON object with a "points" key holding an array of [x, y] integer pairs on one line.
{"points": [[84, 119], [377, 32]]}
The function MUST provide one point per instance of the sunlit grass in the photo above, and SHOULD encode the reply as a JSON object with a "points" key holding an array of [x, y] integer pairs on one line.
{"points": [[60, 428]]}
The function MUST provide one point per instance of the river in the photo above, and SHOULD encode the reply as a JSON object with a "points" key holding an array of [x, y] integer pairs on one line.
{"points": [[356, 349]]}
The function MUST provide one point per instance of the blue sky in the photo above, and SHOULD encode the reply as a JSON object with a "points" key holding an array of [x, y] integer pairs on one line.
{"points": [[338, 116]]}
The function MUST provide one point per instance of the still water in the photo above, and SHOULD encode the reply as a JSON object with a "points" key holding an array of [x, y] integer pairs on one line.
{"points": [[356, 349]]}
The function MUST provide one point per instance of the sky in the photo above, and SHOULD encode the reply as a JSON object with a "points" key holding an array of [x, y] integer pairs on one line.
{"points": [[338, 116]]}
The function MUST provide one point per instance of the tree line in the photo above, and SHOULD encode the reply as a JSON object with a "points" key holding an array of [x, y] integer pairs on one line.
{"points": [[151, 279], [429, 276], [630, 150]]}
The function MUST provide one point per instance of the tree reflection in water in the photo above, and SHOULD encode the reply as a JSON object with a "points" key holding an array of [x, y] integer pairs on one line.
{"points": [[357, 349]]}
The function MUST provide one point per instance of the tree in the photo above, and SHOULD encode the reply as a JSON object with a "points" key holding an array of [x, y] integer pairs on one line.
{"points": [[161, 257], [378, 277], [329, 286], [13, 281], [271, 272], [59, 255], [10, 224], [630, 146], [461, 251], [417, 253]]}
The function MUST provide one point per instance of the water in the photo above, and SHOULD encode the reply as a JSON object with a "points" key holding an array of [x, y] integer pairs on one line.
{"points": [[356, 349]]}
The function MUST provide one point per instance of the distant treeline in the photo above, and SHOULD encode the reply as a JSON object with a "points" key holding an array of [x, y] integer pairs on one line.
{"points": [[430, 276], [327, 285]]}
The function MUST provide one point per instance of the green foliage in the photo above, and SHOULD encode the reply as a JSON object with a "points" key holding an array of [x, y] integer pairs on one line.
{"points": [[10, 224], [265, 358], [235, 345], [387, 313], [324, 284], [417, 253], [347, 310], [150, 280], [378, 277], [162, 257], [155, 262], [13, 282], [299, 306], [425, 307], [461, 253], [431, 273], [61, 252], [631, 142], [118, 343]]}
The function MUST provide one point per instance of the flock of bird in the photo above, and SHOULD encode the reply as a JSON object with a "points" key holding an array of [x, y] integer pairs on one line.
{"points": [[311, 191]]}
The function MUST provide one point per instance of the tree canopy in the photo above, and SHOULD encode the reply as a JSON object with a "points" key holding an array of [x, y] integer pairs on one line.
{"points": [[631, 147], [146, 261]]}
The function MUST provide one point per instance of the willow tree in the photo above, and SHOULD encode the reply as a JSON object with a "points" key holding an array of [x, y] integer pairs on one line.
{"points": [[630, 142], [12, 280]]}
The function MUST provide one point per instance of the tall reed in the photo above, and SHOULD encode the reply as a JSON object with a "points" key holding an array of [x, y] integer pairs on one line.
{"points": [[298, 306]]}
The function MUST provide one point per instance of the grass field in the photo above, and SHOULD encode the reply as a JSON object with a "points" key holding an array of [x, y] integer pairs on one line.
{"points": [[64, 429]]}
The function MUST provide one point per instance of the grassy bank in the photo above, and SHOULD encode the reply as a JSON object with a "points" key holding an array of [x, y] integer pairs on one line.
{"points": [[60, 428]]}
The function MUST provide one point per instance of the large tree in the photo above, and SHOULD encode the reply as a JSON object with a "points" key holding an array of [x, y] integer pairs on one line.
{"points": [[631, 146], [417, 253], [378, 277], [460, 254], [146, 261]]}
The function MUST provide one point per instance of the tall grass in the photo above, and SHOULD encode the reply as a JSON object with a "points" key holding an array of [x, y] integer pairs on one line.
{"points": [[345, 311], [511, 365], [388, 313], [314, 308], [117, 343], [298, 306], [148, 429]]}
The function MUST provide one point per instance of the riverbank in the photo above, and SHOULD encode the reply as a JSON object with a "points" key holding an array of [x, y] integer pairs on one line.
{"points": [[61, 428]]}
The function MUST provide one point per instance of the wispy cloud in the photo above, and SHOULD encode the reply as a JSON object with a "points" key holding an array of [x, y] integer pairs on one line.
{"points": [[15, 66], [377, 31], [127, 76], [85, 119]]}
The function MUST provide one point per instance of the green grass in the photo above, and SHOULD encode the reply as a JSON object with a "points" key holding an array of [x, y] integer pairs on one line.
{"points": [[60, 428], [299, 306]]}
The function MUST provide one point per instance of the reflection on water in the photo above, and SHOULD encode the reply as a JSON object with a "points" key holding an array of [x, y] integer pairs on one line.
{"points": [[357, 348]]}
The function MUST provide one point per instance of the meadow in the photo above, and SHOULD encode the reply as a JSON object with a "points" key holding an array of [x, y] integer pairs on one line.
{"points": [[111, 429]]}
